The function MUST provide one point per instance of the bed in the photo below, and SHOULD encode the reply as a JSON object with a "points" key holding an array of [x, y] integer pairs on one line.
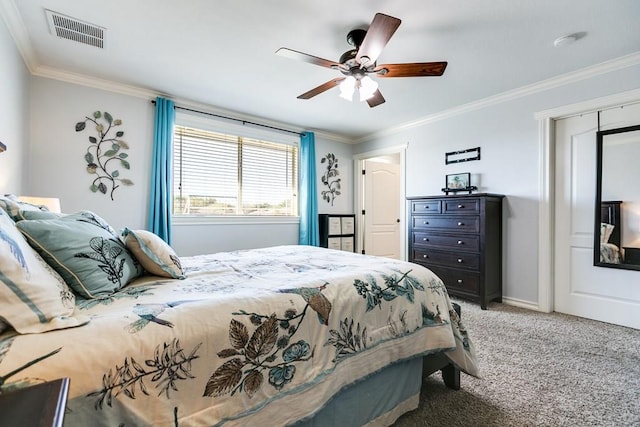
{"points": [[288, 335], [610, 232]]}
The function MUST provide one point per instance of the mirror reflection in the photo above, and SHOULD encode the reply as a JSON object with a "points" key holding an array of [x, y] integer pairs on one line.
{"points": [[617, 228]]}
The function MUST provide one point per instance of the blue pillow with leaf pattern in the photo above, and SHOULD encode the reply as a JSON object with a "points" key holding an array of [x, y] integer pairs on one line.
{"points": [[85, 250]]}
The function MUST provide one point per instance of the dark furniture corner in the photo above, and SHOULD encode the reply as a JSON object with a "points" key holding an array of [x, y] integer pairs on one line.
{"points": [[337, 231], [459, 238], [632, 255], [41, 405]]}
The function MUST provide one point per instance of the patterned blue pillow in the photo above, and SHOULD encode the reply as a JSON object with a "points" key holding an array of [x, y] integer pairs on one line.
{"points": [[33, 297], [85, 250], [155, 255]]}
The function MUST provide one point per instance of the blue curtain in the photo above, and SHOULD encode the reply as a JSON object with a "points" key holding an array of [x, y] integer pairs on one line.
{"points": [[159, 220], [308, 191]]}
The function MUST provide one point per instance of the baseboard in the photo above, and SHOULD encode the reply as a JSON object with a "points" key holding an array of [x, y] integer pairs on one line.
{"points": [[522, 304]]}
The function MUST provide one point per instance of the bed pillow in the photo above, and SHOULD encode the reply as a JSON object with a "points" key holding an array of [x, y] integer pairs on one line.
{"points": [[33, 297], [605, 232], [12, 206], [155, 255], [31, 214], [85, 250]]}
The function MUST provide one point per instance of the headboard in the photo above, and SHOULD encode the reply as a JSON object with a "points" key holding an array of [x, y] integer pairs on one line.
{"points": [[610, 213]]}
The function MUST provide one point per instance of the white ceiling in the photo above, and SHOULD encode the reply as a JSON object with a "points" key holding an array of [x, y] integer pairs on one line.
{"points": [[222, 53]]}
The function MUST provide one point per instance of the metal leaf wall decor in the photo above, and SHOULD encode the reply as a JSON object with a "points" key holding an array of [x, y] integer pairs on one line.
{"points": [[330, 178], [105, 154]]}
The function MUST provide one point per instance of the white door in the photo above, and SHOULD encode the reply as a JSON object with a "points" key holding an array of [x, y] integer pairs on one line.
{"points": [[581, 289], [382, 209]]}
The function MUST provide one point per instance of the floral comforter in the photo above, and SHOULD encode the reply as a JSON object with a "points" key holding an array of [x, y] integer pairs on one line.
{"points": [[257, 337]]}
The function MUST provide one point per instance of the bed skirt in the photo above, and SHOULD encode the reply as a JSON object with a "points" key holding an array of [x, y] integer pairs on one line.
{"points": [[377, 400]]}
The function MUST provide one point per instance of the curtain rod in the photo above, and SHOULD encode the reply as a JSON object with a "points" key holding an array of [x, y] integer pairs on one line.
{"points": [[244, 122]]}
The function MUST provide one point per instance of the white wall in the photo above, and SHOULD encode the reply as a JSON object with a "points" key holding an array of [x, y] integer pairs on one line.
{"points": [[509, 139], [343, 203], [58, 169], [14, 115], [57, 151]]}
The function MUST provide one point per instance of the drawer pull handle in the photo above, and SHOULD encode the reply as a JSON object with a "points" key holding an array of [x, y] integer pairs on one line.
{"points": [[426, 207], [425, 256], [425, 222], [460, 206], [425, 239], [460, 242], [459, 260], [460, 224], [460, 281]]}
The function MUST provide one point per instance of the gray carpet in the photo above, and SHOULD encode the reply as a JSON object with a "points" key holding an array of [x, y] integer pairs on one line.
{"points": [[538, 369]]}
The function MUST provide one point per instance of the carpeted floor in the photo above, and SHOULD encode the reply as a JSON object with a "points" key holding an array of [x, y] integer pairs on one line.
{"points": [[538, 369]]}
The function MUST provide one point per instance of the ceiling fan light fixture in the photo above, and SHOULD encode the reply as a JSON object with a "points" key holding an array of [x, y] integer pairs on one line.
{"points": [[368, 87], [347, 87]]}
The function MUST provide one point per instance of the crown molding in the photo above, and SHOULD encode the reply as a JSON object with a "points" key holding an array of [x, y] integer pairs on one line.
{"points": [[15, 25], [150, 94], [592, 105], [544, 85], [18, 31]]}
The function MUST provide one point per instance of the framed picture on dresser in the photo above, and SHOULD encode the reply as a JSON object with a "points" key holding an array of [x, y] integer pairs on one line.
{"points": [[458, 181]]}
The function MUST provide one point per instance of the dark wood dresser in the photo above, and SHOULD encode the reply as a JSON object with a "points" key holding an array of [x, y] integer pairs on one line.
{"points": [[460, 239]]}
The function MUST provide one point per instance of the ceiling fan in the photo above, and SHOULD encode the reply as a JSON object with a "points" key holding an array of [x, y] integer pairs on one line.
{"points": [[356, 64]]}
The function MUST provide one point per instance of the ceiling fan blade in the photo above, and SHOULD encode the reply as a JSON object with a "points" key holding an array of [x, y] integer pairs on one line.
{"points": [[415, 69], [380, 31], [293, 54], [322, 88], [376, 99]]}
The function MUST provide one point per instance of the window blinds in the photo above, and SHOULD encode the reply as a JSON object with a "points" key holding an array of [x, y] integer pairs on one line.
{"points": [[220, 174]]}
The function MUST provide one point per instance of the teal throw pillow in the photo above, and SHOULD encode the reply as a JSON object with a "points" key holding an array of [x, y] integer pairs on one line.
{"points": [[85, 250]]}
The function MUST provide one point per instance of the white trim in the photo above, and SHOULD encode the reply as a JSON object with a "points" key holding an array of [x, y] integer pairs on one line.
{"points": [[182, 220], [522, 304], [146, 93], [590, 106], [546, 191], [357, 170], [554, 82], [17, 29], [95, 82], [547, 182]]}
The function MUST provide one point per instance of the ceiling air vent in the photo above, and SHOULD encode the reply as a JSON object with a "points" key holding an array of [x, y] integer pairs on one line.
{"points": [[73, 29]]}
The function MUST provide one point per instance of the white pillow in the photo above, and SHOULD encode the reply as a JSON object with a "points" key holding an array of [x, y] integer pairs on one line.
{"points": [[33, 297], [13, 207], [153, 253], [605, 232]]}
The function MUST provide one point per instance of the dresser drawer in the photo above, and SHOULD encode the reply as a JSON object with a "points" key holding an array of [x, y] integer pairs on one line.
{"points": [[448, 259], [446, 223], [458, 280], [461, 206], [462, 243], [425, 207]]}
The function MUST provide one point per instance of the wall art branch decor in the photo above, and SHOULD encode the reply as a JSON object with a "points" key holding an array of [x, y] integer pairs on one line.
{"points": [[104, 155], [329, 178]]}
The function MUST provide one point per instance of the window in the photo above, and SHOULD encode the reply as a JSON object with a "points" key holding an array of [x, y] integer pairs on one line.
{"points": [[219, 174]]}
